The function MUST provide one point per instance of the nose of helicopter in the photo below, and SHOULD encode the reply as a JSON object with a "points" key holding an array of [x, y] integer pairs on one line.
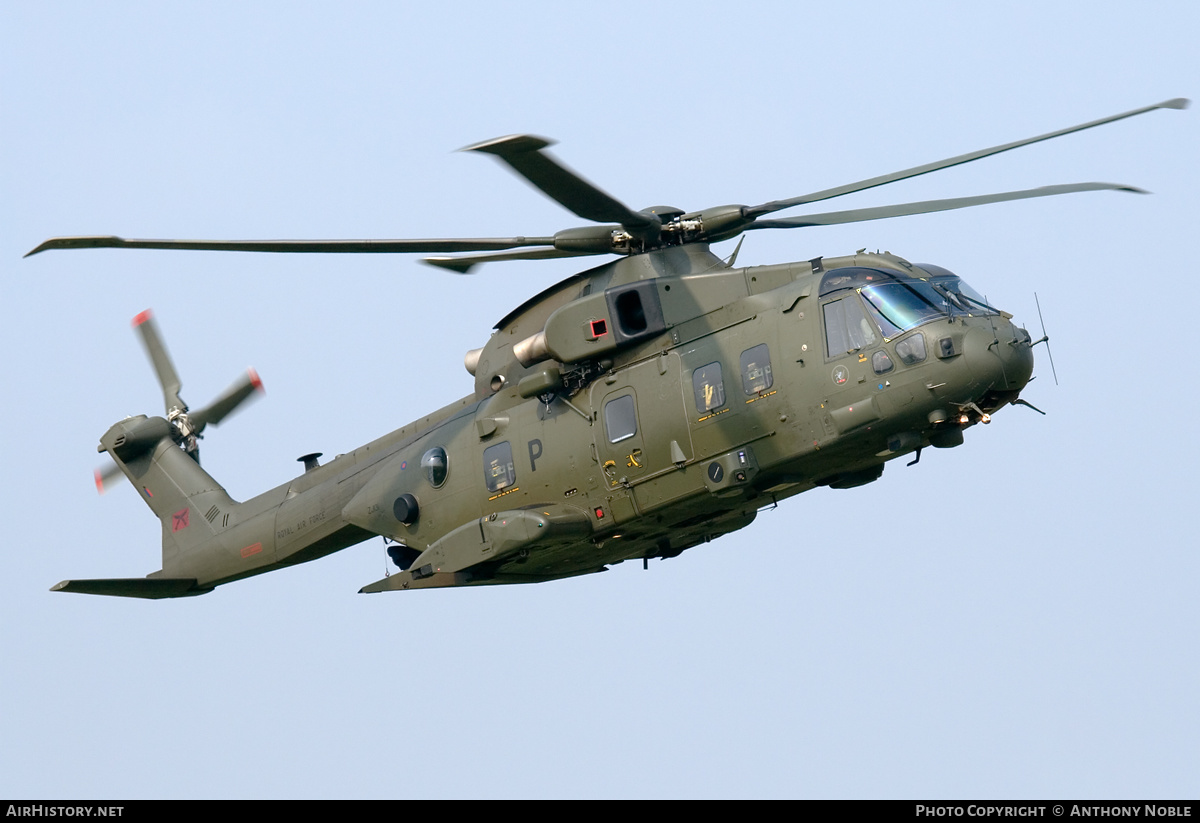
{"points": [[999, 356]]}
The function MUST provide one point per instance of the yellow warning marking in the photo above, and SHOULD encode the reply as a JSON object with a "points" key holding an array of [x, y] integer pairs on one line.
{"points": [[506, 491]]}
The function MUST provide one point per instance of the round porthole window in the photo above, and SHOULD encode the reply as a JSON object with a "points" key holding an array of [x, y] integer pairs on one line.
{"points": [[436, 466]]}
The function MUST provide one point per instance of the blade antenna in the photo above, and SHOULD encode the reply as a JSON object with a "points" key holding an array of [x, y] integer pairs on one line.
{"points": [[738, 248]]}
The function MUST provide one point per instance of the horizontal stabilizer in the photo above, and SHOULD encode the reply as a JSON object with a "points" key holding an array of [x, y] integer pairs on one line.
{"points": [[150, 588], [418, 579], [406, 580]]}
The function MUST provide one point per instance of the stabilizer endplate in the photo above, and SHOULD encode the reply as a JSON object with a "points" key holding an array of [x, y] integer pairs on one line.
{"points": [[148, 588]]}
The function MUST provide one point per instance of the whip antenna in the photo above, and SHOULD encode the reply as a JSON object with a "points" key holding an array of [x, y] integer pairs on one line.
{"points": [[1045, 338]]}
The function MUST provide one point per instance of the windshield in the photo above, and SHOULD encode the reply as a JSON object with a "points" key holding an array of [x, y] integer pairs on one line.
{"points": [[898, 301], [902, 305], [963, 297]]}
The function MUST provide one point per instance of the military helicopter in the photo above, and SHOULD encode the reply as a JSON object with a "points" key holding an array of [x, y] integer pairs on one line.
{"points": [[632, 411]]}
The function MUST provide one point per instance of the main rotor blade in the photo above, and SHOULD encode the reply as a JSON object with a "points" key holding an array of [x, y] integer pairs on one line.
{"points": [[302, 246], [522, 153], [927, 206], [225, 404], [167, 377], [463, 265], [916, 171]]}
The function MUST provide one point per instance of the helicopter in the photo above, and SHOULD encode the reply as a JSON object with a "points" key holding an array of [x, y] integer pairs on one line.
{"points": [[632, 411]]}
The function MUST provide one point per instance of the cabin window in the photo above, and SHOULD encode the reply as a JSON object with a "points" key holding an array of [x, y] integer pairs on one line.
{"points": [[708, 387], [756, 370], [498, 470], [847, 328], [435, 465], [620, 418]]}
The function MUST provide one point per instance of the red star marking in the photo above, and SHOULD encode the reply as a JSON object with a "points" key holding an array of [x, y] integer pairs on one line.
{"points": [[179, 520]]}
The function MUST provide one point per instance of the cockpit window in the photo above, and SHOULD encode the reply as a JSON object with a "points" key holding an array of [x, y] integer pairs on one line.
{"points": [[847, 328], [964, 299], [905, 305], [854, 277], [911, 349], [897, 301]]}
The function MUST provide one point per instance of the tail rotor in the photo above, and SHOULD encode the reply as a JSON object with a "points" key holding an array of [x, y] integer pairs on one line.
{"points": [[185, 426]]}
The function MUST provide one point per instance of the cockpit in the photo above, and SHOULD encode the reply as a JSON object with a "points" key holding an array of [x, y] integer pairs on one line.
{"points": [[892, 303]]}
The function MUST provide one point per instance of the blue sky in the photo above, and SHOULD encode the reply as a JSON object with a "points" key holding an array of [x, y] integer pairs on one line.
{"points": [[1014, 618]]}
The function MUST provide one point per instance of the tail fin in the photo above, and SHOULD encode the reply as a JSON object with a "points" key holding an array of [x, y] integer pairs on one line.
{"points": [[161, 458], [188, 502]]}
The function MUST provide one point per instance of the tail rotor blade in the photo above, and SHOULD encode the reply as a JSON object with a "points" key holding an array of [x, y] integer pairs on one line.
{"points": [[228, 402], [106, 476], [167, 377]]}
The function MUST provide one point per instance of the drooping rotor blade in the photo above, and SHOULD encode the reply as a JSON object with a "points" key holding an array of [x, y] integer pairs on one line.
{"points": [[167, 377], [301, 246], [776, 205], [224, 405], [928, 206], [523, 153], [463, 265]]}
